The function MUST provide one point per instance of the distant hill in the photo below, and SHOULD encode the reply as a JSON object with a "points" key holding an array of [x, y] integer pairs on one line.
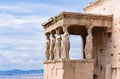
{"points": [[18, 72]]}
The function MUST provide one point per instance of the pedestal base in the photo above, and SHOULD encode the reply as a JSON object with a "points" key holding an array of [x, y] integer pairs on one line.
{"points": [[68, 69]]}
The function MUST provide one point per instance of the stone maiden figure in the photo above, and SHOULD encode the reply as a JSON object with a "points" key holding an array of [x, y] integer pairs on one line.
{"points": [[89, 43], [57, 49], [52, 46], [65, 47], [47, 46]]}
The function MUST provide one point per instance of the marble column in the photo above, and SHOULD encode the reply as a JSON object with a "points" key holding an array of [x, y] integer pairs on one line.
{"points": [[52, 45], [47, 46], [65, 45], [89, 43], [57, 49]]}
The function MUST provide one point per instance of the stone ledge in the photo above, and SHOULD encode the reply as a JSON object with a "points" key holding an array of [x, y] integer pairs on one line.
{"points": [[69, 69], [73, 15], [68, 60]]}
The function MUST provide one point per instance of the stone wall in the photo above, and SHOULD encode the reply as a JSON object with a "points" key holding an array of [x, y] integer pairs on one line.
{"points": [[104, 7], [112, 54], [69, 69], [101, 51]]}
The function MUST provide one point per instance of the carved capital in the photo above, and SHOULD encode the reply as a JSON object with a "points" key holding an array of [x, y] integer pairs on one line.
{"points": [[58, 31], [53, 33], [47, 36], [65, 29]]}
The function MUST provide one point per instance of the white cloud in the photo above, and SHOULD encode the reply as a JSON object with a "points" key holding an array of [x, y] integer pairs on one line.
{"points": [[22, 59], [22, 38], [18, 22], [34, 7], [17, 49]]}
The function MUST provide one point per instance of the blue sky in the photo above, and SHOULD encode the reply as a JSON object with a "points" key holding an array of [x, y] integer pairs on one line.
{"points": [[22, 38]]}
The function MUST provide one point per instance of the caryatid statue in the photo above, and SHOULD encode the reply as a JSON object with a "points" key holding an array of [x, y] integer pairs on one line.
{"points": [[47, 46], [89, 43], [52, 45], [57, 48], [65, 45]]}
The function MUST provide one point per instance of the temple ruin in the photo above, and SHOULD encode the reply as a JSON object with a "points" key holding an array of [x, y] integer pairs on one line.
{"points": [[99, 27]]}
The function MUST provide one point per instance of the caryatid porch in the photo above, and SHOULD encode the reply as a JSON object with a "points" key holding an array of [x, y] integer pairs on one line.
{"points": [[57, 31]]}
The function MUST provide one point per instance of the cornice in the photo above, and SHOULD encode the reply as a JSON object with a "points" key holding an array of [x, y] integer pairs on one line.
{"points": [[72, 15]]}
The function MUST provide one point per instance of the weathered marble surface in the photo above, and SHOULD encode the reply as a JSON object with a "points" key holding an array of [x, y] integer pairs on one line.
{"points": [[109, 44], [89, 43], [68, 69], [52, 46], [102, 42], [65, 44], [47, 47], [57, 49]]}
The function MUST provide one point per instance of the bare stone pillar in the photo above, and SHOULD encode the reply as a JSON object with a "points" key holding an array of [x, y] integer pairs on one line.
{"points": [[47, 46], [65, 47], [58, 44], [84, 41], [118, 73], [108, 72], [115, 73], [52, 45], [89, 43]]}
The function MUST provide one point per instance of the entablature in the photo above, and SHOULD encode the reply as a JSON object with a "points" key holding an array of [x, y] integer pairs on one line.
{"points": [[77, 19]]}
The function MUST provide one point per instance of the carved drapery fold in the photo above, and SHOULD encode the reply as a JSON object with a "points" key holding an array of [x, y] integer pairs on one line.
{"points": [[89, 43], [57, 49], [65, 47], [47, 46], [52, 45]]}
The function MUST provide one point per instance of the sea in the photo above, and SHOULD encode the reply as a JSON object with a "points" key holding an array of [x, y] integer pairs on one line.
{"points": [[23, 76], [18, 74]]}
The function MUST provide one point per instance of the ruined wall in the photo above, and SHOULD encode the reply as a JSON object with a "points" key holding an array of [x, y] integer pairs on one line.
{"points": [[111, 55], [102, 41], [116, 41], [101, 51]]}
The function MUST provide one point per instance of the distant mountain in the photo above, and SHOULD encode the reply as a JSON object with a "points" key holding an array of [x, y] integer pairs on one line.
{"points": [[18, 72]]}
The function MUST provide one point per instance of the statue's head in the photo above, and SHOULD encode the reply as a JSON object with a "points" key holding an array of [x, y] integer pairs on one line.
{"points": [[47, 36], [57, 31], [65, 29]]}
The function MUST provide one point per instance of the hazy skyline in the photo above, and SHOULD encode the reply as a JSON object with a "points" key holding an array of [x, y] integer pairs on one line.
{"points": [[21, 34]]}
